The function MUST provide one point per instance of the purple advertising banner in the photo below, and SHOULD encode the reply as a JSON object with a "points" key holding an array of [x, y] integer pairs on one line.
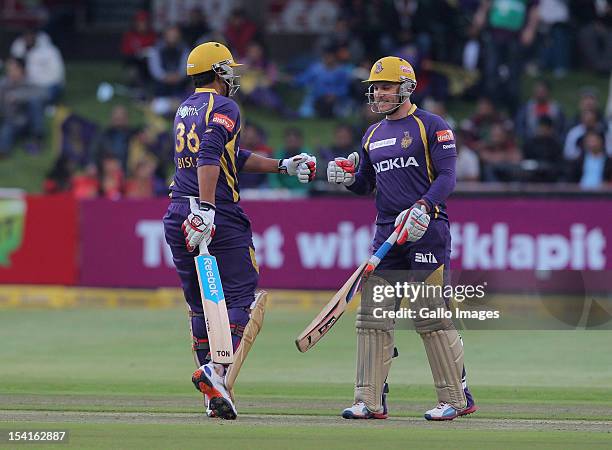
{"points": [[317, 243]]}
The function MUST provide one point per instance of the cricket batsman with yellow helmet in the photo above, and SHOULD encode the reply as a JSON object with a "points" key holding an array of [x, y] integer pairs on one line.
{"points": [[408, 159], [205, 206]]}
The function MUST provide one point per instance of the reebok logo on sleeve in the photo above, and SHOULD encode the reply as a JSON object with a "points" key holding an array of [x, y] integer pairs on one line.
{"points": [[444, 135], [225, 121]]}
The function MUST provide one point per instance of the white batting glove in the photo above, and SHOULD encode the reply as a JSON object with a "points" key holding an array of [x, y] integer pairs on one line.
{"points": [[415, 221], [199, 225], [342, 170], [302, 166]]}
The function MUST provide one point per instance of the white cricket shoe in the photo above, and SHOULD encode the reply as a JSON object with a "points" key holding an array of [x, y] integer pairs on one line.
{"points": [[359, 410], [445, 411], [208, 381]]}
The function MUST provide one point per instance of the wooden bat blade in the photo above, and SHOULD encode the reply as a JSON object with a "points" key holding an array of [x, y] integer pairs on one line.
{"points": [[215, 310], [330, 314]]}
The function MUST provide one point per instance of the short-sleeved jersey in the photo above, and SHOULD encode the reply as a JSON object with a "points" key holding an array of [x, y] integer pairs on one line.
{"points": [[401, 160], [207, 132]]}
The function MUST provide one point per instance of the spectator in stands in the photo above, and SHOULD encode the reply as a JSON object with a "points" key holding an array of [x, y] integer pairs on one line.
{"points": [[21, 109], [509, 28], [594, 168], [196, 26], [239, 31], [59, 177], [500, 155], [308, 16], [588, 122], [141, 184], [156, 144], [115, 139], [595, 41], [293, 145], [253, 138], [327, 84], [44, 65], [589, 100], [85, 183], [468, 164], [167, 62], [342, 37], [344, 144], [438, 107], [258, 84], [135, 45], [554, 36], [545, 150], [373, 22], [481, 122], [539, 105], [111, 177], [77, 135]]}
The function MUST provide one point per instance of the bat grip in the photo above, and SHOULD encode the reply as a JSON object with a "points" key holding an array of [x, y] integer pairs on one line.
{"points": [[382, 250], [204, 248]]}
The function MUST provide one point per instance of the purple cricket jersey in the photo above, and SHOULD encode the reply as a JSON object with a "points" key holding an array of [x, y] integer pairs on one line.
{"points": [[207, 132], [407, 160]]}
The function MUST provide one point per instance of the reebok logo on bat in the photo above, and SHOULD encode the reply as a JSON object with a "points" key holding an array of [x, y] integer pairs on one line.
{"points": [[211, 279]]}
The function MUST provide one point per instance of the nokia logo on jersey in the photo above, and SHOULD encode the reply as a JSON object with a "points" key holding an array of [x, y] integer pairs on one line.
{"points": [[395, 163]]}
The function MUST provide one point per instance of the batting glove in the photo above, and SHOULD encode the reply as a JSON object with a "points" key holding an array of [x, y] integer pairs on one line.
{"points": [[342, 170], [415, 221], [302, 166], [199, 225]]}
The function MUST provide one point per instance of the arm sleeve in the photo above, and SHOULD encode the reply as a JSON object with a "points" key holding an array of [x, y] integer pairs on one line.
{"points": [[365, 179], [221, 128], [443, 152], [243, 155]]}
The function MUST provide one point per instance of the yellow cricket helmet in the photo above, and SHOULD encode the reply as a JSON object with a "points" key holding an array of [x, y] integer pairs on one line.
{"points": [[395, 70], [208, 55], [216, 57]]}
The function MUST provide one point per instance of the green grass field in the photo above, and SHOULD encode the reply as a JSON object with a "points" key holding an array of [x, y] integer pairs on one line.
{"points": [[120, 378]]}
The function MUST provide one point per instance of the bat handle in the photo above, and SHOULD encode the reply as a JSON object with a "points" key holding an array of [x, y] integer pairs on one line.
{"points": [[204, 248], [382, 251]]}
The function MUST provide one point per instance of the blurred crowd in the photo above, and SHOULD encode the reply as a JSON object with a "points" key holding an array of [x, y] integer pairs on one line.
{"points": [[475, 52]]}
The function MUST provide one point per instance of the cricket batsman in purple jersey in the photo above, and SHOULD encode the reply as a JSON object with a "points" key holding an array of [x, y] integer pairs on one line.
{"points": [[205, 206], [408, 159]]}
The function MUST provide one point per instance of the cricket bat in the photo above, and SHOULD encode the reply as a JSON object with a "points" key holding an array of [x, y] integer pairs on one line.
{"points": [[330, 314], [215, 310]]}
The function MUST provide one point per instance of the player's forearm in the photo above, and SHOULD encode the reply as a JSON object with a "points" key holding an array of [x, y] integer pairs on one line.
{"points": [[207, 182], [260, 164], [443, 185], [361, 186]]}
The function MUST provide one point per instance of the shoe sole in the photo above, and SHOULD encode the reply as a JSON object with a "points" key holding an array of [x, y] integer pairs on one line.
{"points": [[350, 415], [218, 404], [465, 412]]}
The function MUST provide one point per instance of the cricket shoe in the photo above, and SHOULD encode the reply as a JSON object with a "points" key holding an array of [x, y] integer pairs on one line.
{"points": [[359, 410], [445, 411], [211, 384], [209, 412]]}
